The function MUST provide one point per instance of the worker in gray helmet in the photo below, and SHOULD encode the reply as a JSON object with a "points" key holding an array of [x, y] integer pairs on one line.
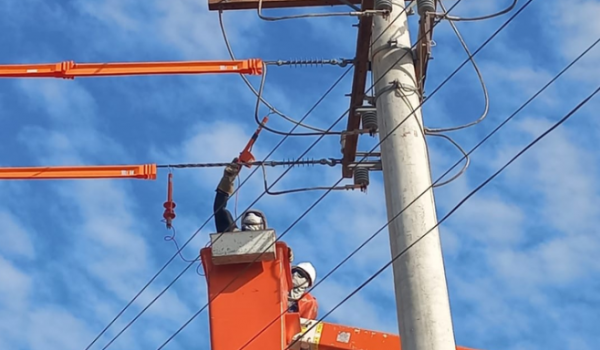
{"points": [[252, 220], [303, 274]]}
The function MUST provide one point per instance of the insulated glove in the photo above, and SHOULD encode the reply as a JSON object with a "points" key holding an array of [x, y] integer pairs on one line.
{"points": [[229, 174], [233, 169]]}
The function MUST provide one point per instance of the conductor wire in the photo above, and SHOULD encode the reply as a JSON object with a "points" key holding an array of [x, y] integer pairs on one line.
{"points": [[465, 19], [479, 76], [314, 204], [452, 211], [485, 139], [193, 235], [465, 156], [295, 190], [319, 101], [339, 119], [314, 15], [259, 99], [273, 109]]}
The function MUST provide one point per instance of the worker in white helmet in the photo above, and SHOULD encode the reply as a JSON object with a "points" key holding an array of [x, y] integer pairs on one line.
{"points": [[303, 274]]}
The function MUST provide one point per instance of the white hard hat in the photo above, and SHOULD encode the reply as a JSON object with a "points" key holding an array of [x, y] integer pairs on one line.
{"points": [[309, 269], [252, 222]]}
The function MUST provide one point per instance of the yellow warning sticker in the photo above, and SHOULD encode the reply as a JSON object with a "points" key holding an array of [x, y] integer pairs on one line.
{"points": [[317, 337], [318, 332]]}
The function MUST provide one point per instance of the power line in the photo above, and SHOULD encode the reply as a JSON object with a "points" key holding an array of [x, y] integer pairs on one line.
{"points": [[501, 125], [212, 215], [323, 161], [480, 18], [470, 57], [483, 184], [175, 255], [486, 97], [363, 158], [273, 109]]}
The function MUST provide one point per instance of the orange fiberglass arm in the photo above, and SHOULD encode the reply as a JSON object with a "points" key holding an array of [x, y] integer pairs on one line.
{"points": [[145, 171], [70, 69]]}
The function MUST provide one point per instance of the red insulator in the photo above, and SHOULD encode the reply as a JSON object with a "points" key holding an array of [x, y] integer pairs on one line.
{"points": [[169, 205]]}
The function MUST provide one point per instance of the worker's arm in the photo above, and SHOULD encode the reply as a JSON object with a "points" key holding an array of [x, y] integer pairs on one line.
{"points": [[308, 307], [224, 222]]}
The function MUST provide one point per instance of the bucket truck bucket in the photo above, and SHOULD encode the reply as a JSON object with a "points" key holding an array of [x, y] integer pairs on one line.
{"points": [[248, 274]]}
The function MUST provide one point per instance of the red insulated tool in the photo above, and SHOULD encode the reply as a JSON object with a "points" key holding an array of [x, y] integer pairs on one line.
{"points": [[246, 155]]}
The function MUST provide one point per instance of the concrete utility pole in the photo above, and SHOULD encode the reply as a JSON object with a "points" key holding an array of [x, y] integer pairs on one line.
{"points": [[424, 317]]}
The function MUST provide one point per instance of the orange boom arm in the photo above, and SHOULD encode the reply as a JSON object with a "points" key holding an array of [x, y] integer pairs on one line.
{"points": [[146, 172], [70, 69]]}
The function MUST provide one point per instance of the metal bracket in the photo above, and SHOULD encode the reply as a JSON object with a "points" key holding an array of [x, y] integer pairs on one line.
{"points": [[371, 164]]}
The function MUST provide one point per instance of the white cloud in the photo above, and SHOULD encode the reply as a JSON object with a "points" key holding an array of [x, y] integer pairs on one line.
{"points": [[15, 237], [57, 329], [76, 110], [578, 30], [15, 287], [184, 25]]}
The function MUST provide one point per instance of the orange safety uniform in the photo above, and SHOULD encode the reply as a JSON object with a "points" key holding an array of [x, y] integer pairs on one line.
{"points": [[308, 307]]}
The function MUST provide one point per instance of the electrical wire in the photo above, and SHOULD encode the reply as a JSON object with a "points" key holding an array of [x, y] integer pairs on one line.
{"points": [[172, 238], [191, 263], [272, 163], [206, 222], [435, 183], [245, 269], [464, 19], [160, 271], [383, 139], [339, 119], [466, 157], [453, 210], [479, 76], [314, 15], [264, 126], [273, 109], [304, 189], [454, 73], [397, 85]]}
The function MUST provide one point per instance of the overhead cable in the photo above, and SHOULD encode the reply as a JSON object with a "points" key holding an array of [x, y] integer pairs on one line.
{"points": [[323, 161], [339, 119], [211, 216], [486, 107], [461, 150], [204, 224], [382, 139], [188, 242], [435, 183], [480, 18], [452, 211], [500, 29], [273, 109], [362, 12], [329, 191]]}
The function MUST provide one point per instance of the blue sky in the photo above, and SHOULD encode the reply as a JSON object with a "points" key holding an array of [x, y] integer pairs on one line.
{"points": [[520, 255]]}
